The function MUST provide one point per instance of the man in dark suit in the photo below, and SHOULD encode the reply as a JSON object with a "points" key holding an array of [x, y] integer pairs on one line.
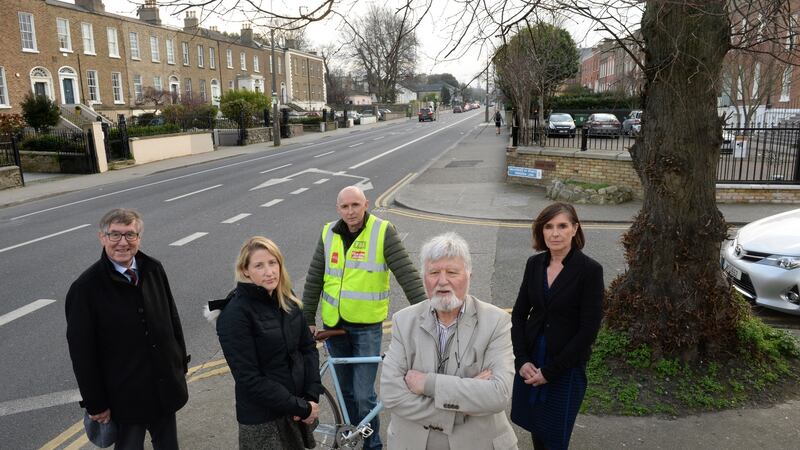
{"points": [[125, 338]]}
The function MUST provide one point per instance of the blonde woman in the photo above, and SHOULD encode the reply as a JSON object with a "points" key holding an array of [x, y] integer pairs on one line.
{"points": [[271, 353]]}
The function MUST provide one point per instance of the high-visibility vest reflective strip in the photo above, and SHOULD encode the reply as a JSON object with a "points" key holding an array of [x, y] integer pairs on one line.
{"points": [[369, 301]]}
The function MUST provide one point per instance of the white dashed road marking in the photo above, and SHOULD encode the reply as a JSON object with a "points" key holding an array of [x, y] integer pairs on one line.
{"points": [[272, 203], [236, 218], [323, 154], [43, 238], [355, 145], [192, 193], [275, 168], [188, 239], [27, 309], [298, 191], [322, 180]]}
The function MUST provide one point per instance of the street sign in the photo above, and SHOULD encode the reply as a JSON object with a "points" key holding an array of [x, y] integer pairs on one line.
{"points": [[524, 172]]}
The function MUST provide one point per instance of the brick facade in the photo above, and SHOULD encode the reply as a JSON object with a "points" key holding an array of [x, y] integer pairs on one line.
{"points": [[616, 168], [48, 65]]}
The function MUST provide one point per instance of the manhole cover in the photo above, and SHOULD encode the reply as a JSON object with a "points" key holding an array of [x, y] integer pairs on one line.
{"points": [[465, 163]]}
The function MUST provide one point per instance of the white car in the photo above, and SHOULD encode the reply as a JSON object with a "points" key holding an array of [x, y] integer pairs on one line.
{"points": [[763, 261]]}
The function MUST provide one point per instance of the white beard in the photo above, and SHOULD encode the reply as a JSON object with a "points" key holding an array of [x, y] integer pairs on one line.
{"points": [[446, 303]]}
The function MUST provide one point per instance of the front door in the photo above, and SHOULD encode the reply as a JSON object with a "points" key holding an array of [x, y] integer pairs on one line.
{"points": [[69, 93], [39, 88]]}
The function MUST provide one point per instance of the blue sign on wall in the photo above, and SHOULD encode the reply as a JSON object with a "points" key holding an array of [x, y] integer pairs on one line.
{"points": [[525, 172]]}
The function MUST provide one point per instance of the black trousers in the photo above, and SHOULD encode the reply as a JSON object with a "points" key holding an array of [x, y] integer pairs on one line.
{"points": [[163, 434]]}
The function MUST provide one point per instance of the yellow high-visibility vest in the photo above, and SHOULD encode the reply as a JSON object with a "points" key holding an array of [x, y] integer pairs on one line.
{"points": [[356, 284]]}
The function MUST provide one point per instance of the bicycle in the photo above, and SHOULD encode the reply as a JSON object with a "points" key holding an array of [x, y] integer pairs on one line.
{"points": [[335, 429]]}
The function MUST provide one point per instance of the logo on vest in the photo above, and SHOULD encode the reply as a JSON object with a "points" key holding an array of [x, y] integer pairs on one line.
{"points": [[358, 254], [334, 257], [359, 245]]}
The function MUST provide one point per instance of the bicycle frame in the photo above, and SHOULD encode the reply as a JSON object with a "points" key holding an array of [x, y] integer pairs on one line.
{"points": [[330, 364]]}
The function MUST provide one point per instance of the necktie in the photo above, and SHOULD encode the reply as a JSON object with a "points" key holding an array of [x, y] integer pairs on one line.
{"points": [[132, 275]]}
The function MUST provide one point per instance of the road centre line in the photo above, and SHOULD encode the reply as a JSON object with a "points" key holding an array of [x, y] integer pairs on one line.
{"points": [[236, 218], [19, 312], [39, 402], [409, 143], [379, 138], [188, 239], [272, 203], [43, 238], [192, 193], [321, 180], [355, 145], [323, 154], [275, 168], [155, 183], [298, 191]]}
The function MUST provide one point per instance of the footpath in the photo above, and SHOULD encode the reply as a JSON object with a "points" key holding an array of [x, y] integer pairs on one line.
{"points": [[466, 180]]}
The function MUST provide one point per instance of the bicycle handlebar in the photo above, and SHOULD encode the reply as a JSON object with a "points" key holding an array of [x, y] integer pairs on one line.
{"points": [[322, 335]]}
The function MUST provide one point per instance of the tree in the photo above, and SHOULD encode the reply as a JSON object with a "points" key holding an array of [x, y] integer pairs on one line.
{"points": [[445, 95], [40, 112], [384, 44], [749, 81], [155, 97], [243, 106], [334, 73], [549, 56], [443, 78]]}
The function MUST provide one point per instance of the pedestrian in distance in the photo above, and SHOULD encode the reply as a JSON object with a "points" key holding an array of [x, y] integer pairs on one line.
{"points": [[125, 338], [349, 276], [447, 376], [555, 321], [271, 353], [498, 120]]}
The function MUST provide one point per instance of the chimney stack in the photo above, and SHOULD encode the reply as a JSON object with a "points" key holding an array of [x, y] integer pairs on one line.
{"points": [[91, 5], [190, 21], [149, 12], [247, 34]]}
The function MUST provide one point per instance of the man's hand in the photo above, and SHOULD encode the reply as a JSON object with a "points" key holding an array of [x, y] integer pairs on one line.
{"points": [[538, 379], [103, 417], [485, 375], [311, 417], [415, 380], [527, 371], [313, 330]]}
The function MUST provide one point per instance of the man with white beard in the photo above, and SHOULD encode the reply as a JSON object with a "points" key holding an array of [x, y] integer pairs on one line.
{"points": [[446, 378]]}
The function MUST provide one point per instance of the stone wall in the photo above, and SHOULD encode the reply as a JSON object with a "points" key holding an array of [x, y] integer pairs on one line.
{"points": [[613, 167], [39, 161], [257, 135], [9, 177]]}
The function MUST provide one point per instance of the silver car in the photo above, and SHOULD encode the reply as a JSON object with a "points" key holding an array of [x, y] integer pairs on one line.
{"points": [[763, 261]]}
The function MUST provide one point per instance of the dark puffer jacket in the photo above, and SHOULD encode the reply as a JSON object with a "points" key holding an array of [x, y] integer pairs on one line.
{"points": [[272, 356]]}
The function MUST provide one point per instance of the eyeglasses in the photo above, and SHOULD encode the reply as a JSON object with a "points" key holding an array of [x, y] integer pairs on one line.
{"points": [[115, 236]]}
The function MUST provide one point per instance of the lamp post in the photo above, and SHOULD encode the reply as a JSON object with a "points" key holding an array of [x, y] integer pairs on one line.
{"points": [[276, 125]]}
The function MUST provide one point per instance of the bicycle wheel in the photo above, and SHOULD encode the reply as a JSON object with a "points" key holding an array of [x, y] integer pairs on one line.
{"points": [[330, 418]]}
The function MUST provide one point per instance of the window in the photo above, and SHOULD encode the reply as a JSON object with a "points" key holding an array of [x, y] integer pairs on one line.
{"points": [[94, 90], [137, 88], [203, 91], [230, 84], [116, 87], [157, 84], [243, 60], [88, 38], [229, 56], [64, 40], [113, 44], [756, 80], [786, 84], [279, 67], [185, 46], [200, 55], [27, 31], [155, 52], [188, 83], [255, 63], [3, 88], [170, 51], [270, 64], [212, 58], [134, 40]]}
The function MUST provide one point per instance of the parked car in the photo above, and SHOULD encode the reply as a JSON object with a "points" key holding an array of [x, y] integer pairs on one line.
{"points": [[560, 124], [426, 114], [382, 113], [728, 140], [158, 120], [356, 116], [602, 124], [457, 109], [762, 261], [632, 124]]}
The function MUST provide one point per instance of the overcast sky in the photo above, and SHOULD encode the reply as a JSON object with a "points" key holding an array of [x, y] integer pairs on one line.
{"points": [[434, 33]]}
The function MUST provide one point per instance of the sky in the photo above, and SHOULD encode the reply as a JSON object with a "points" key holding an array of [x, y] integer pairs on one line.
{"points": [[434, 32]]}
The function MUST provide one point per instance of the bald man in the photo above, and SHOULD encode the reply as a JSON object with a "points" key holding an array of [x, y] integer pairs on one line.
{"points": [[350, 275]]}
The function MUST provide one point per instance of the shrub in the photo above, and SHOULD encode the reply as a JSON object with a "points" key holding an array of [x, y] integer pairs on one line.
{"points": [[48, 143], [40, 112], [238, 103], [11, 123]]}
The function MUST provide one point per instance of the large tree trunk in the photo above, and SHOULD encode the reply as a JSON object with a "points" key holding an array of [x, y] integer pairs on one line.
{"points": [[673, 296]]}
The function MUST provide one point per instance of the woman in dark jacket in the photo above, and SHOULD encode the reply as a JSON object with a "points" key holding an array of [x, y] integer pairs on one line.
{"points": [[271, 353], [553, 326]]}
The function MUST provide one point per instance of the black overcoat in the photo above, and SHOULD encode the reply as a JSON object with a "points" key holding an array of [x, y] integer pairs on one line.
{"points": [[272, 356], [126, 342], [570, 319]]}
